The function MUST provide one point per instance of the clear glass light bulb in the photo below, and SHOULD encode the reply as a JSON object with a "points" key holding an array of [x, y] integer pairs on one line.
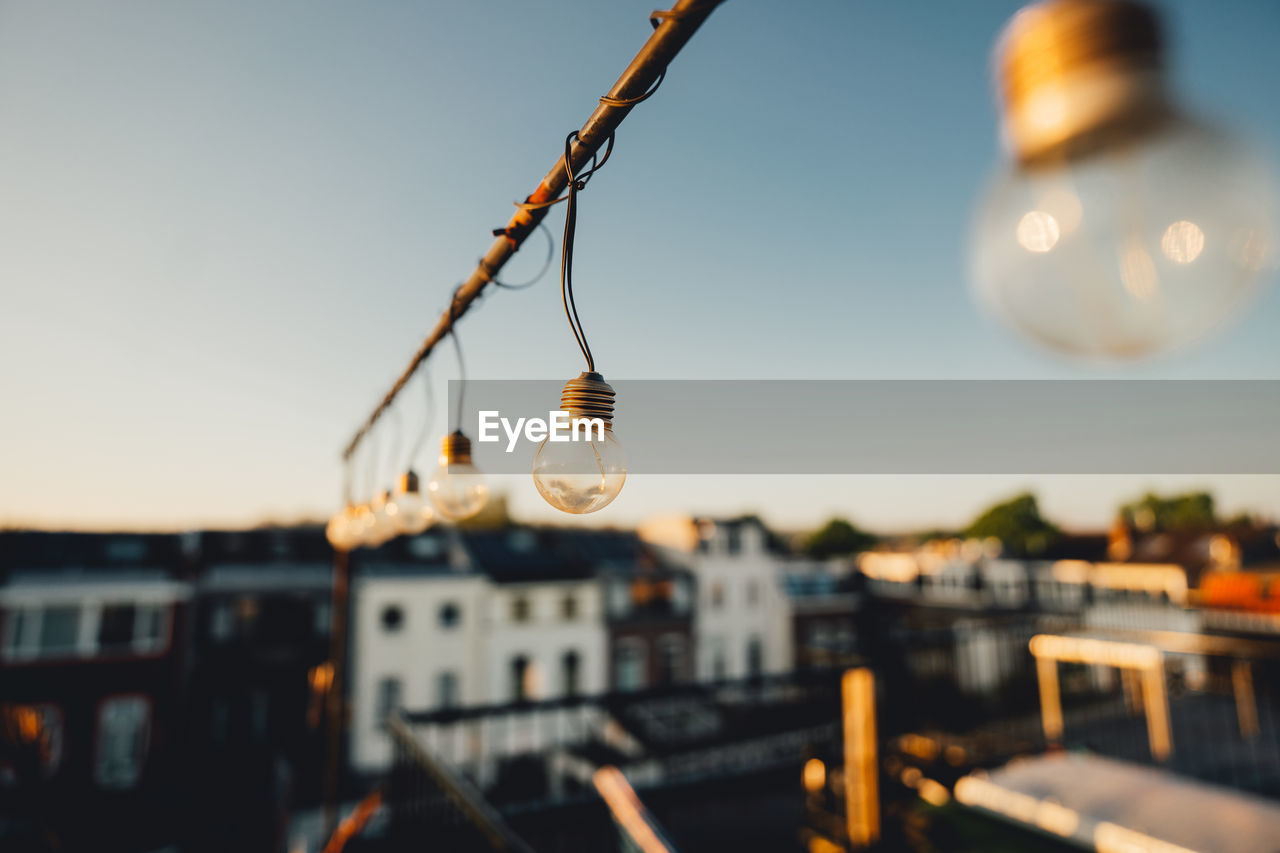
{"points": [[584, 474], [580, 476], [341, 532], [408, 510], [457, 488], [1123, 228], [379, 528], [359, 525]]}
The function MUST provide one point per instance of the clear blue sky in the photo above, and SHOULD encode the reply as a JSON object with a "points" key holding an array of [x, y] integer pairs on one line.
{"points": [[225, 226]]}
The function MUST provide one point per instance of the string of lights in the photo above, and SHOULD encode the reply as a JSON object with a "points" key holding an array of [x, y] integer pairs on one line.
{"points": [[672, 30]]}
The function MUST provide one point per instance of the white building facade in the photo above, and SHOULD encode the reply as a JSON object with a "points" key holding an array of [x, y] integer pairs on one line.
{"points": [[742, 619], [442, 631]]}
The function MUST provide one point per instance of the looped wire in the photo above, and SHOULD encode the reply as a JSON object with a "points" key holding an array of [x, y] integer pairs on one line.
{"points": [[659, 16], [490, 273], [628, 102], [596, 162]]}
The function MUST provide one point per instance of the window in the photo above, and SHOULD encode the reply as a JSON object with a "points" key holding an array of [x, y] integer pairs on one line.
{"points": [[755, 657], [680, 597], [619, 598], [520, 609], [247, 608], [41, 725], [392, 618], [519, 679], [733, 539], [568, 608], [124, 728], [570, 674], [450, 615], [447, 693], [59, 630], [388, 700], [716, 655], [670, 659], [22, 625], [629, 664], [115, 631], [150, 628], [426, 547], [717, 595], [220, 622], [753, 593]]}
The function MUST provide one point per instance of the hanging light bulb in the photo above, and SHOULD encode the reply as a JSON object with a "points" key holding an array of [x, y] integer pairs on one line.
{"points": [[1123, 227], [340, 531], [359, 525], [408, 511], [457, 487], [587, 473], [379, 527]]}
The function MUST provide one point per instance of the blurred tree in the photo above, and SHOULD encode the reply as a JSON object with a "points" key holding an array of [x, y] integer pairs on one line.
{"points": [[1153, 513], [1018, 525], [837, 538], [1245, 520]]}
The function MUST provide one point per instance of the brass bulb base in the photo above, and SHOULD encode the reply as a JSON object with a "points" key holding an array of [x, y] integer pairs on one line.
{"points": [[1079, 76], [455, 449], [408, 484], [588, 396]]}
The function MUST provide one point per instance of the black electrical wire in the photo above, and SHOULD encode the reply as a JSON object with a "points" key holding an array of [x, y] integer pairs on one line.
{"points": [[490, 273], [427, 417], [462, 367]]}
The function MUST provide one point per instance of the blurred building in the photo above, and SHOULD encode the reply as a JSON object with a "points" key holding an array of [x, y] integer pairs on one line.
{"points": [[260, 639], [742, 622], [824, 599], [93, 658], [447, 619]]}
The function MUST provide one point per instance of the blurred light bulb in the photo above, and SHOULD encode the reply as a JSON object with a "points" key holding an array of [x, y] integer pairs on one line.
{"points": [[410, 513], [457, 487], [379, 527], [587, 473], [1123, 228], [341, 530], [359, 524]]}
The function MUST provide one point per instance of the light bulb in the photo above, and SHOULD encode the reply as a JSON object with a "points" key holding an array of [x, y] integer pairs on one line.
{"points": [[457, 487], [341, 531], [1123, 228], [379, 527], [584, 474], [408, 511], [359, 524]]}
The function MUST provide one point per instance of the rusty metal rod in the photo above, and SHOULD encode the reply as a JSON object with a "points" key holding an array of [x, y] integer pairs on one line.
{"points": [[673, 28]]}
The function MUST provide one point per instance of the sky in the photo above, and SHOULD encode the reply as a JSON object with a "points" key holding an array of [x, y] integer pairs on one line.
{"points": [[225, 227]]}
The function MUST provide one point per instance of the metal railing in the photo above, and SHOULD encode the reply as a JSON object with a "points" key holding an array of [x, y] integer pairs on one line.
{"points": [[428, 799]]}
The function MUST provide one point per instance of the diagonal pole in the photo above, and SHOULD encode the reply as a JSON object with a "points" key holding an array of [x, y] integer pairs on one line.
{"points": [[672, 31]]}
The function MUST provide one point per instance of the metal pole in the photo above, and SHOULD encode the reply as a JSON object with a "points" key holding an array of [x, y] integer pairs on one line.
{"points": [[1156, 700], [673, 29], [1246, 704], [1050, 700], [335, 707], [861, 768]]}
